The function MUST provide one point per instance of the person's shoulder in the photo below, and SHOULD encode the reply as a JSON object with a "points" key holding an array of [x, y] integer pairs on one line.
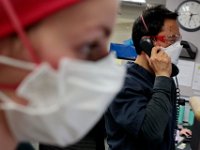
{"points": [[136, 74], [132, 69]]}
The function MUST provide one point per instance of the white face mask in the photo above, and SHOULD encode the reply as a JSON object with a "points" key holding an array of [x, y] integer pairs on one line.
{"points": [[174, 51], [65, 104]]}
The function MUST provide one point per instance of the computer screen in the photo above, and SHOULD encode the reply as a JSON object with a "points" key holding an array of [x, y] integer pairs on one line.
{"points": [[123, 51]]}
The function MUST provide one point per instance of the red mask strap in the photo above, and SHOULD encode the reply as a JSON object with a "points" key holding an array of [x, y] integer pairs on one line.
{"points": [[145, 25], [9, 86], [18, 27]]}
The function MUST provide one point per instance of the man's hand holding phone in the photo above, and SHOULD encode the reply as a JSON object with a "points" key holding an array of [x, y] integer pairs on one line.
{"points": [[160, 62]]}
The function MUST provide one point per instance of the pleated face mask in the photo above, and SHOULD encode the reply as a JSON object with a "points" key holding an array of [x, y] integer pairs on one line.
{"points": [[174, 51], [64, 104]]}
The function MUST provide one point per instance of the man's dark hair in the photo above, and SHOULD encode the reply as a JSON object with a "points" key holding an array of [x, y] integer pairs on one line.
{"points": [[154, 18]]}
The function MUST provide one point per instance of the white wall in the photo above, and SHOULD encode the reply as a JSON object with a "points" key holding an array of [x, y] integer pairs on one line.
{"points": [[193, 37], [125, 19]]}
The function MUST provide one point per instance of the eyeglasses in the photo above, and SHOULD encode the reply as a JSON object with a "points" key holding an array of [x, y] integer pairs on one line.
{"points": [[168, 39]]}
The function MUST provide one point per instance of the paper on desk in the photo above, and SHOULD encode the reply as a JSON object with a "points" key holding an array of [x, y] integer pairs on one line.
{"points": [[186, 69], [181, 146], [178, 138], [196, 78]]}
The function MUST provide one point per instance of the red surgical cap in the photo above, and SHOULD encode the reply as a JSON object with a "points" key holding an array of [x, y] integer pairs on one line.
{"points": [[29, 12]]}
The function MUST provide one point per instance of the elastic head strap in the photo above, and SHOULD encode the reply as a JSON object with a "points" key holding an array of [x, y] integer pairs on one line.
{"points": [[145, 25]]}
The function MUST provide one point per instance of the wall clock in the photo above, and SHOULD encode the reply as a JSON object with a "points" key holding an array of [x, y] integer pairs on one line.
{"points": [[189, 15]]}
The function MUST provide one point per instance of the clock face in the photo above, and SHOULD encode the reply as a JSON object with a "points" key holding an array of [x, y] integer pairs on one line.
{"points": [[189, 15]]}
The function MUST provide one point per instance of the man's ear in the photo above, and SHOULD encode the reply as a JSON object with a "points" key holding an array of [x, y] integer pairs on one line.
{"points": [[156, 43], [143, 54]]}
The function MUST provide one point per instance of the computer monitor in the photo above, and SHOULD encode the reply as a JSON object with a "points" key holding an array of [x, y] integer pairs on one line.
{"points": [[123, 51]]}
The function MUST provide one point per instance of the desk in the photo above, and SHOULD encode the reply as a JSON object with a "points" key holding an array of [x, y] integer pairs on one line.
{"points": [[195, 141]]}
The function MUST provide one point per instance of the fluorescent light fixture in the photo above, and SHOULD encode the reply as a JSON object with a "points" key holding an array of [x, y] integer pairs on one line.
{"points": [[136, 1]]}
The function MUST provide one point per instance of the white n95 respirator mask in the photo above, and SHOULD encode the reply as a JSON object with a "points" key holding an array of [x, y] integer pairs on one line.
{"points": [[64, 104], [174, 51]]}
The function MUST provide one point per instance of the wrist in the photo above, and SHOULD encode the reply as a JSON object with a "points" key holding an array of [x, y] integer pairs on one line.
{"points": [[162, 74]]}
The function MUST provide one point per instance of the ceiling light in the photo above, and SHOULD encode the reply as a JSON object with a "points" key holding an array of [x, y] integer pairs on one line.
{"points": [[136, 1]]}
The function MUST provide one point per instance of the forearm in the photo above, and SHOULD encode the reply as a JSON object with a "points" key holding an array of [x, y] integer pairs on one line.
{"points": [[158, 110], [195, 104]]}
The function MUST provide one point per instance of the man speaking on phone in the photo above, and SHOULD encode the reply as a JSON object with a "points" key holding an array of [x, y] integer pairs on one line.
{"points": [[143, 115]]}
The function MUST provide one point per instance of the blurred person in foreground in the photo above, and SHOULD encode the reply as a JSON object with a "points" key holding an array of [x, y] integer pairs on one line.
{"points": [[56, 76], [143, 115], [195, 104]]}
